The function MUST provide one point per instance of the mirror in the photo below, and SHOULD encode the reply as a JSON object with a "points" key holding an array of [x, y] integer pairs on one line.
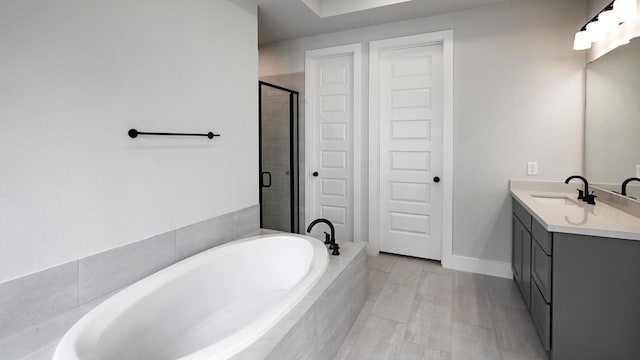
{"points": [[612, 125]]}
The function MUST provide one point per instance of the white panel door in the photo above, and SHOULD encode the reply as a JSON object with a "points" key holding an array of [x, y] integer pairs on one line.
{"points": [[411, 120], [331, 142]]}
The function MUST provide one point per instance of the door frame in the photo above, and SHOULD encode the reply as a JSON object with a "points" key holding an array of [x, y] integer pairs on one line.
{"points": [[375, 48], [310, 56]]}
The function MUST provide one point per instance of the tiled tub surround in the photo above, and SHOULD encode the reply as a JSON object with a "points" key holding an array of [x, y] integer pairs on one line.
{"points": [[36, 310], [317, 326], [209, 306], [314, 329]]}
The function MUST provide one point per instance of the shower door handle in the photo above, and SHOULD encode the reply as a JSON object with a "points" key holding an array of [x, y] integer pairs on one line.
{"points": [[263, 183]]}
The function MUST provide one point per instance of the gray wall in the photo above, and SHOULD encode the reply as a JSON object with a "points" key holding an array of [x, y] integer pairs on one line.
{"points": [[75, 76], [518, 97]]}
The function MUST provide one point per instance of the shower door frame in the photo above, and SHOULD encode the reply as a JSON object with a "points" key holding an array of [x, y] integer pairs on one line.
{"points": [[294, 177]]}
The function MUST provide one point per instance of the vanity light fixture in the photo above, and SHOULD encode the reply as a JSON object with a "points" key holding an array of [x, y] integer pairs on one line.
{"points": [[612, 18]]}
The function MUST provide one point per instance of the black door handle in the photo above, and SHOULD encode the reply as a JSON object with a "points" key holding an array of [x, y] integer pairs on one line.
{"points": [[263, 184], [315, 173], [436, 179]]}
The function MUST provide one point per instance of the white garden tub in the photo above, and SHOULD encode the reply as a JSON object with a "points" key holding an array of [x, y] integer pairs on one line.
{"points": [[209, 306]]}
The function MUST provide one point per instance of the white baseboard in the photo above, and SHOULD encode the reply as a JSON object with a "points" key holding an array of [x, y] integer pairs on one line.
{"points": [[479, 266]]}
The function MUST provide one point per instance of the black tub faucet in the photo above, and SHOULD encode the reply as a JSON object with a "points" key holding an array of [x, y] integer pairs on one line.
{"points": [[625, 183], [332, 238], [583, 195]]}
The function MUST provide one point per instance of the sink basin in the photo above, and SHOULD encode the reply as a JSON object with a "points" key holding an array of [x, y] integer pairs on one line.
{"points": [[555, 200]]}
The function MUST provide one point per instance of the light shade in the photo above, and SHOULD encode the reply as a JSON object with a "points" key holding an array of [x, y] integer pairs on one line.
{"points": [[609, 21], [595, 31], [625, 10], [625, 33], [581, 41]]}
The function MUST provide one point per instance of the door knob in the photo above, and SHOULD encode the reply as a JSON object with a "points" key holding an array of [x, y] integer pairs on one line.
{"points": [[315, 173], [436, 179]]}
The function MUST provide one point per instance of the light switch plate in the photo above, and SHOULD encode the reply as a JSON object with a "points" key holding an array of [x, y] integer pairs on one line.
{"points": [[532, 168]]}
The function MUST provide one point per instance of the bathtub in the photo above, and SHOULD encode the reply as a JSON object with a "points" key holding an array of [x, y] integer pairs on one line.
{"points": [[209, 306]]}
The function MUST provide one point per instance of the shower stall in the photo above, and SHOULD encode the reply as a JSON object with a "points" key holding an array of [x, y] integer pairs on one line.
{"points": [[279, 157]]}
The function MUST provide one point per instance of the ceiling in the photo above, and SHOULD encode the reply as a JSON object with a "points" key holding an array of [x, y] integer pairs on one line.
{"points": [[291, 19]]}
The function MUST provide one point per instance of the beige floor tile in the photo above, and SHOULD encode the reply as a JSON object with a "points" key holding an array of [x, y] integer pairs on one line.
{"points": [[380, 339], [433, 266], [410, 351], [512, 355], [375, 282], [469, 282], [394, 302], [436, 355], [445, 315], [382, 262], [405, 272], [430, 325], [515, 331], [472, 307], [472, 342], [436, 288], [505, 292]]}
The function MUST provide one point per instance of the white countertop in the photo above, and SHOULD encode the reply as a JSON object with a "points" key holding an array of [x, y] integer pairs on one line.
{"points": [[556, 207]]}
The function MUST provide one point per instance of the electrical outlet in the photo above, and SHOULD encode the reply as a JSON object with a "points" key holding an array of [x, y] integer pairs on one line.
{"points": [[532, 168]]}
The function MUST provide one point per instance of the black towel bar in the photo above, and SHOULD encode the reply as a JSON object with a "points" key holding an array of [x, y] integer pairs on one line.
{"points": [[133, 133]]}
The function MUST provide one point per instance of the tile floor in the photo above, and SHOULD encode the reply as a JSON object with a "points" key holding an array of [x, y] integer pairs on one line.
{"points": [[415, 309]]}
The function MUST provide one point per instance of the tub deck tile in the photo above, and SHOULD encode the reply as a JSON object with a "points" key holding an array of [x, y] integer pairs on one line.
{"points": [[301, 340], [327, 314], [36, 298], [43, 335]]}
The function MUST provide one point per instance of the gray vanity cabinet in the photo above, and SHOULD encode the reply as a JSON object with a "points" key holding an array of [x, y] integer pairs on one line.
{"points": [[583, 292], [521, 257], [525, 260]]}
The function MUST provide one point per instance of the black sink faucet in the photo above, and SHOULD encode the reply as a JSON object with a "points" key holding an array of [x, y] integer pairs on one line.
{"points": [[583, 195], [332, 240], [625, 183]]}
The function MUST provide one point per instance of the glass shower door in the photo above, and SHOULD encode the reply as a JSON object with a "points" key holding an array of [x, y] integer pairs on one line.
{"points": [[277, 159]]}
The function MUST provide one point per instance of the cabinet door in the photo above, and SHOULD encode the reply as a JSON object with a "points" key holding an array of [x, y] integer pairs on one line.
{"points": [[516, 249], [525, 283], [541, 314], [541, 270]]}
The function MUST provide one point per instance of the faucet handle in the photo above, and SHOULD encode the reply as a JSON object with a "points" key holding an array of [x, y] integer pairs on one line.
{"points": [[591, 198], [336, 249], [327, 238], [581, 195]]}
